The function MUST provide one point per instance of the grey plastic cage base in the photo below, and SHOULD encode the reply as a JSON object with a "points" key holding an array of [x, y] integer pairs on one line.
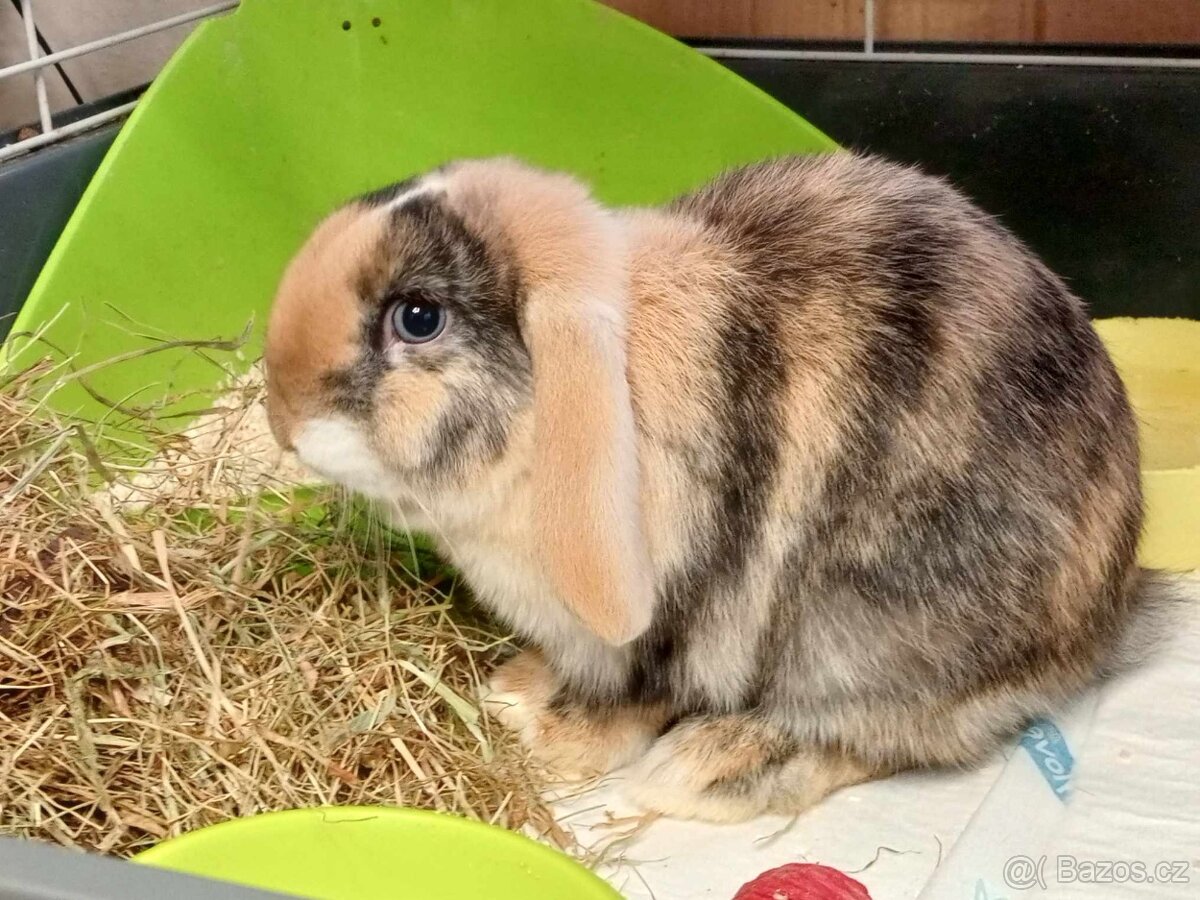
{"points": [[34, 871]]}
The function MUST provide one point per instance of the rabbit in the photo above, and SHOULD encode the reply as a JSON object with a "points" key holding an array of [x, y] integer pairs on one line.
{"points": [[811, 476]]}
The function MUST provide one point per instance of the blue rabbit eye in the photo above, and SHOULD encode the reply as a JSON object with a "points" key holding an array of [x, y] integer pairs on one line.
{"points": [[418, 321]]}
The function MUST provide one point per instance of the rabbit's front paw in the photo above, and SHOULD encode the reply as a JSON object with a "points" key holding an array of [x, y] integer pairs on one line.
{"points": [[571, 741]]}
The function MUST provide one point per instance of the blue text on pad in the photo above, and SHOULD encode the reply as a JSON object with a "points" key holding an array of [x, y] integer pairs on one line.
{"points": [[1048, 748]]}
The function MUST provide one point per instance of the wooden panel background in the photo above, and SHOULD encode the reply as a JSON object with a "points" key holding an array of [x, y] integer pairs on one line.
{"points": [[1040, 21]]}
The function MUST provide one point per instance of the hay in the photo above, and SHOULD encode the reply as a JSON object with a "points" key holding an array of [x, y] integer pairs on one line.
{"points": [[200, 639]]}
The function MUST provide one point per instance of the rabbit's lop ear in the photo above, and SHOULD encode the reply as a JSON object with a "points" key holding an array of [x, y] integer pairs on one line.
{"points": [[571, 254], [587, 507]]}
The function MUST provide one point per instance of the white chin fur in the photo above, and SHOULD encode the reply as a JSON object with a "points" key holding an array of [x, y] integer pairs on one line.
{"points": [[336, 449]]}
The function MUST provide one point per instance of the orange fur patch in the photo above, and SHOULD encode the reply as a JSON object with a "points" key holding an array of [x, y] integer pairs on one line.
{"points": [[678, 278], [547, 219], [314, 322], [588, 521]]}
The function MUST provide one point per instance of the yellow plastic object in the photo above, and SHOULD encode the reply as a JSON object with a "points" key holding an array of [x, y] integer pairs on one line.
{"points": [[378, 853], [1159, 360]]}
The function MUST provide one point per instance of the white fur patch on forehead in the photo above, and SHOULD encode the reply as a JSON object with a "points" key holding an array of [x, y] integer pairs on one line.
{"points": [[336, 449], [428, 186]]}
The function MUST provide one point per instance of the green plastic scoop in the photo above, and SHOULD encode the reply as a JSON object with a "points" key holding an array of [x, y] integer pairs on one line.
{"points": [[268, 118]]}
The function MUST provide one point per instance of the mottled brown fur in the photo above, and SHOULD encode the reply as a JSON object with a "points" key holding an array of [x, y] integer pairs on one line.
{"points": [[818, 466]]}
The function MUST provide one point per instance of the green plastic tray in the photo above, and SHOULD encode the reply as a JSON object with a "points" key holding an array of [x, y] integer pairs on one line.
{"points": [[269, 117]]}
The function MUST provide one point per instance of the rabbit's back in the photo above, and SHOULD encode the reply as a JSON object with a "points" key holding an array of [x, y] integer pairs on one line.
{"points": [[887, 458]]}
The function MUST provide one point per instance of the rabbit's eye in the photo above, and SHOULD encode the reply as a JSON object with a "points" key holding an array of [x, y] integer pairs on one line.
{"points": [[418, 321]]}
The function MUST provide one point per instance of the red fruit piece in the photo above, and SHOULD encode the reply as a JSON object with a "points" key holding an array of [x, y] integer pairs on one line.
{"points": [[802, 881]]}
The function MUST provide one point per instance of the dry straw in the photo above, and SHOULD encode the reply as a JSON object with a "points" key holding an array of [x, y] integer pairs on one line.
{"points": [[199, 639]]}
